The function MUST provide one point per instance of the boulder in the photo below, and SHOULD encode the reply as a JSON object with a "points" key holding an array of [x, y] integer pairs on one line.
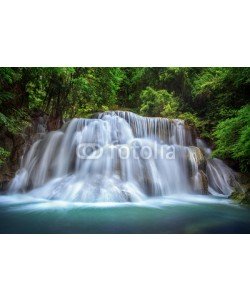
{"points": [[199, 158], [242, 195]]}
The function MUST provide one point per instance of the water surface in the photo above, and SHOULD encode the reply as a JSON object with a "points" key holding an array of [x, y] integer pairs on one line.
{"points": [[172, 214]]}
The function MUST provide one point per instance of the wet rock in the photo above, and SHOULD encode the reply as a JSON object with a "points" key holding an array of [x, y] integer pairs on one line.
{"points": [[54, 123], [199, 158], [241, 197], [242, 194], [200, 183], [204, 182], [4, 180]]}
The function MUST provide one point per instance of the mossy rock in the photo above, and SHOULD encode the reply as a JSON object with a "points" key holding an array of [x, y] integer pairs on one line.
{"points": [[242, 197]]}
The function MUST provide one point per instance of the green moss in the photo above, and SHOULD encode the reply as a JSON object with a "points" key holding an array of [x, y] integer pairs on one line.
{"points": [[4, 154], [241, 197]]}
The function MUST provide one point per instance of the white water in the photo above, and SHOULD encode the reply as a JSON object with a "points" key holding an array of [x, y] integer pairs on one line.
{"points": [[178, 162]]}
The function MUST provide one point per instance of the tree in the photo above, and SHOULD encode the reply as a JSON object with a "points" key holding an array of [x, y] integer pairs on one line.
{"points": [[158, 103], [232, 138]]}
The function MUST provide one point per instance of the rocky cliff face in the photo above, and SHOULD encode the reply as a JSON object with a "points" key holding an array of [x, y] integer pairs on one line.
{"points": [[17, 144]]}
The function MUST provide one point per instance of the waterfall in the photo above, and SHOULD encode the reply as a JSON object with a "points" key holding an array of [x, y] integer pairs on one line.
{"points": [[120, 156]]}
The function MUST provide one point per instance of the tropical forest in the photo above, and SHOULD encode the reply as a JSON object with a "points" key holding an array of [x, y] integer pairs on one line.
{"points": [[203, 113]]}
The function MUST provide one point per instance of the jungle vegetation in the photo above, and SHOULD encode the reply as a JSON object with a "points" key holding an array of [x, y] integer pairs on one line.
{"points": [[215, 100]]}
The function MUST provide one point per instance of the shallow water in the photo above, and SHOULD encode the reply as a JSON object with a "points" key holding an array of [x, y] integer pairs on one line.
{"points": [[172, 214]]}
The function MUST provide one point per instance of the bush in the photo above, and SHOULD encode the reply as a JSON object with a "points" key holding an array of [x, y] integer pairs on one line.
{"points": [[157, 103], [190, 119], [232, 138], [4, 154], [14, 123]]}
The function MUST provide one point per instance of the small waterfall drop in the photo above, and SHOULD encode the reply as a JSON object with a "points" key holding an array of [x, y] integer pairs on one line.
{"points": [[120, 156]]}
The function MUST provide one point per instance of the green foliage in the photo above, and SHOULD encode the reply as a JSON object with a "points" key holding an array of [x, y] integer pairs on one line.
{"points": [[171, 107], [232, 138], [208, 98], [191, 119], [158, 103], [14, 123], [208, 81], [203, 126], [4, 154], [60, 92], [225, 89]]}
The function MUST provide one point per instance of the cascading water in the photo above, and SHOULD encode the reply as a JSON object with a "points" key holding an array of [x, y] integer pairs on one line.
{"points": [[119, 157]]}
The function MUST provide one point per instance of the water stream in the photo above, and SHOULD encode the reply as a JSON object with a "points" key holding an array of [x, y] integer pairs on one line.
{"points": [[120, 172]]}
